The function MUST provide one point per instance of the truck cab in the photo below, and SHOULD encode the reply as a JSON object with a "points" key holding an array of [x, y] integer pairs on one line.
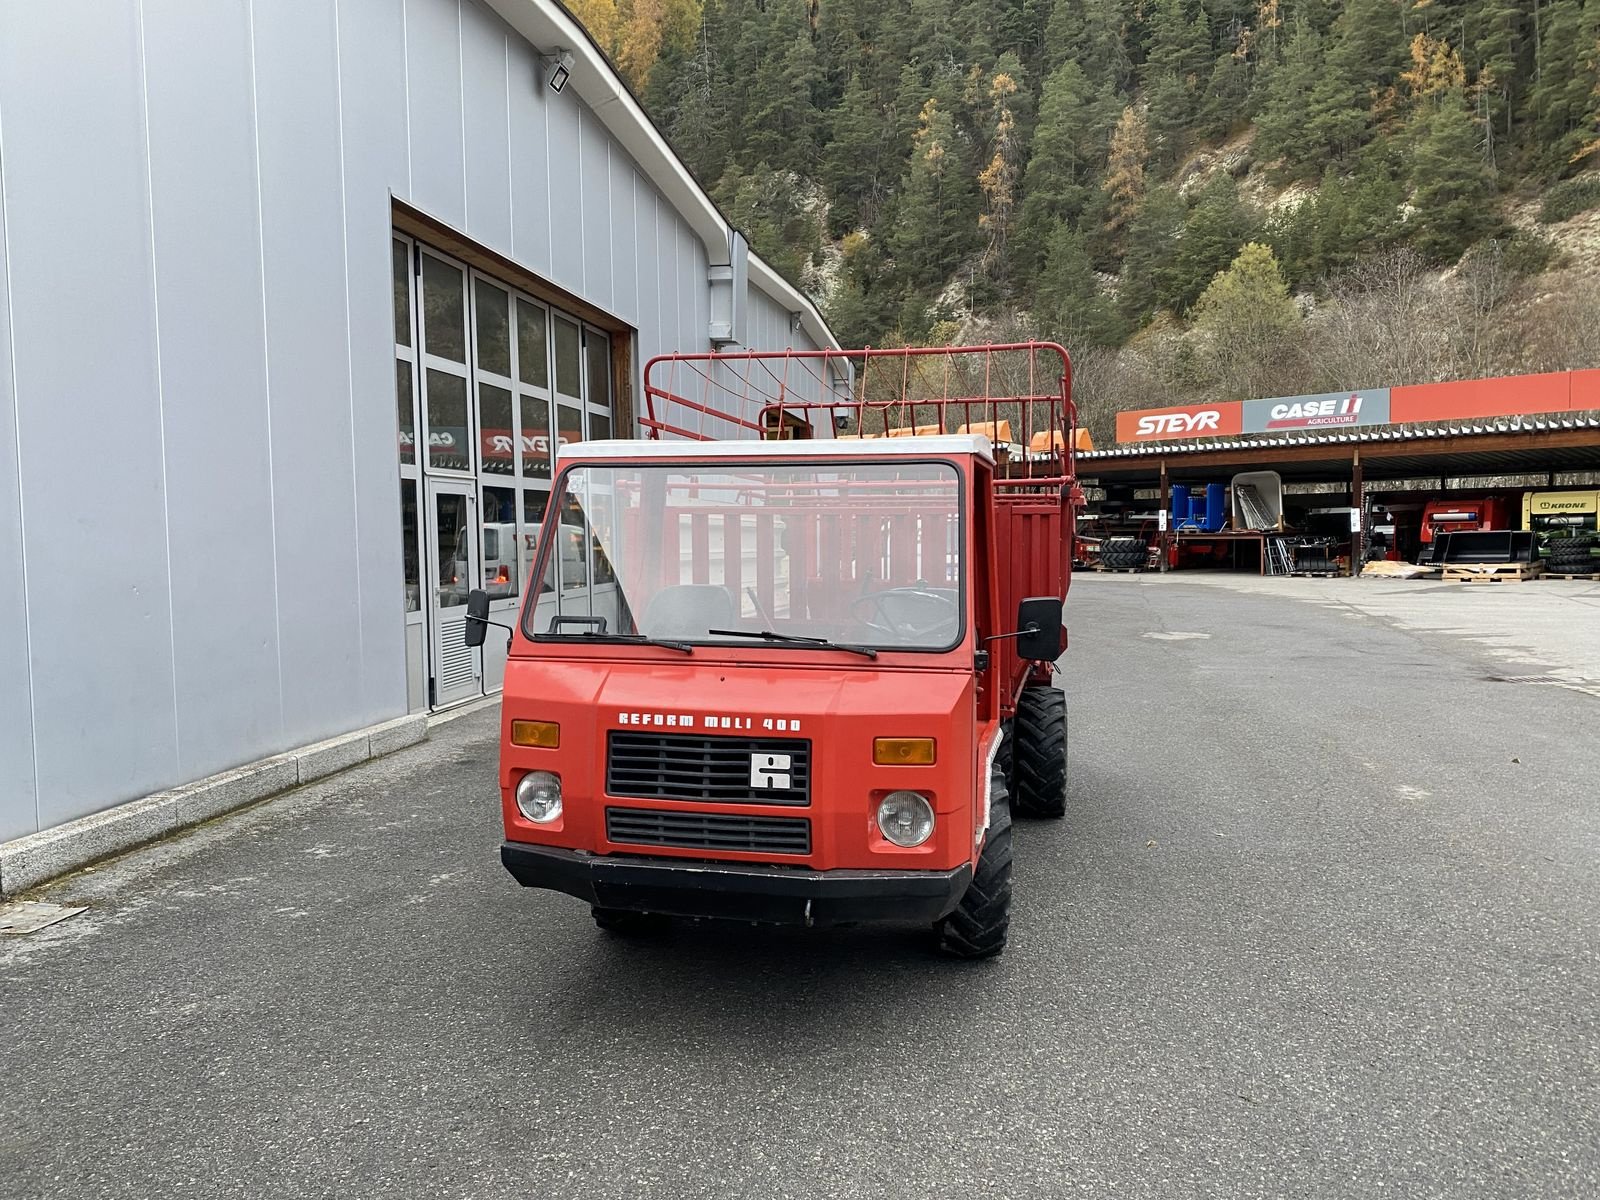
{"points": [[795, 711]]}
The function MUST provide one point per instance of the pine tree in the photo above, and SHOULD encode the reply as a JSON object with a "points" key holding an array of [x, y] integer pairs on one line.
{"points": [[1180, 44], [1245, 317], [781, 115], [1070, 304], [1282, 125], [1566, 104], [1063, 157], [1147, 259], [998, 180], [936, 216], [854, 159], [1452, 193], [1363, 62], [1124, 181], [1218, 225]]}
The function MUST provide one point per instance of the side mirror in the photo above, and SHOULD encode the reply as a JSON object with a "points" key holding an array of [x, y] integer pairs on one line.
{"points": [[478, 617], [1039, 629]]}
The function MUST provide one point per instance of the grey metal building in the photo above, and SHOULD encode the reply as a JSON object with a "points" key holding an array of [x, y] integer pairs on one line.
{"points": [[297, 299]]}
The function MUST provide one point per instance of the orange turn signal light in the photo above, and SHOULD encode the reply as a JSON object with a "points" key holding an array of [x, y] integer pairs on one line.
{"points": [[902, 752], [544, 734]]}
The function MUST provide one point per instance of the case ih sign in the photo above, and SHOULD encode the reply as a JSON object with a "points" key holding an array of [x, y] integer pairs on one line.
{"points": [[1370, 407]]}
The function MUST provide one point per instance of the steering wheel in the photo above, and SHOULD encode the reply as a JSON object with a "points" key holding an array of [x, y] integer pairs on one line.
{"points": [[875, 610]]}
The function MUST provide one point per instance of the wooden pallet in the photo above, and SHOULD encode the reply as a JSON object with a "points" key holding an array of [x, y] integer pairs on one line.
{"points": [[1590, 576], [1491, 572], [1316, 574], [1119, 570]]}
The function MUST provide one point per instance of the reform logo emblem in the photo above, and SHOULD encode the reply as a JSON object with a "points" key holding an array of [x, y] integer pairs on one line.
{"points": [[770, 772]]}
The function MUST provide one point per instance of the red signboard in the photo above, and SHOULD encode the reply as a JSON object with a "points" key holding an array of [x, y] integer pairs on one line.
{"points": [[1457, 400], [1191, 421]]}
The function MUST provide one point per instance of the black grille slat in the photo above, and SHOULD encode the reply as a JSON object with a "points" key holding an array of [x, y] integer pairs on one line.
{"points": [[676, 766], [708, 831]]}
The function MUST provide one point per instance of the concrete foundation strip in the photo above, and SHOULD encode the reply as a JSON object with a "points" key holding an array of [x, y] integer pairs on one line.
{"points": [[36, 858]]}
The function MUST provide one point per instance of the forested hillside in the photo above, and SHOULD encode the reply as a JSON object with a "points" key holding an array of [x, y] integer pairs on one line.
{"points": [[1201, 197]]}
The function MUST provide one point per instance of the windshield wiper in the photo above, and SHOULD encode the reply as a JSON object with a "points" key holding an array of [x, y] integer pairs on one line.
{"points": [[629, 639], [794, 639]]}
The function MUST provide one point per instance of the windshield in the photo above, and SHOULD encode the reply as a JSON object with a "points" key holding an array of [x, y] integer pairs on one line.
{"points": [[865, 554]]}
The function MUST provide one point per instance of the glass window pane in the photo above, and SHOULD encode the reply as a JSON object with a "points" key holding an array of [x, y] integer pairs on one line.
{"points": [[402, 293], [448, 445], [494, 329], [455, 561], [406, 411], [599, 426], [443, 310], [494, 430], [502, 573], [533, 355], [535, 437], [409, 556], [533, 506], [571, 427], [597, 348], [568, 356], [574, 531]]}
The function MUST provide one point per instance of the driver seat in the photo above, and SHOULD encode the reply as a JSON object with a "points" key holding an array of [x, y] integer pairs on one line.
{"points": [[688, 610]]}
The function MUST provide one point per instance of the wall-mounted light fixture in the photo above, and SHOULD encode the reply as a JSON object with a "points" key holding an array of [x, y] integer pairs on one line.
{"points": [[795, 322], [558, 69]]}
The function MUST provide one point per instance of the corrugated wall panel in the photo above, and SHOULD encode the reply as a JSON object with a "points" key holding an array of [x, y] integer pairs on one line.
{"points": [[530, 173], [213, 381], [433, 81], [308, 362], [565, 196], [598, 232], [84, 359], [372, 95], [484, 78], [624, 252], [18, 797]]}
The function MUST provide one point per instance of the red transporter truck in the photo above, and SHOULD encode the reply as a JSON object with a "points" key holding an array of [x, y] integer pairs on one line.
{"points": [[821, 685]]}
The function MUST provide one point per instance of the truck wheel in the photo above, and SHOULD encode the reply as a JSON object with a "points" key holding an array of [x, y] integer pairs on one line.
{"points": [[1041, 752], [624, 922], [1007, 758], [977, 927]]}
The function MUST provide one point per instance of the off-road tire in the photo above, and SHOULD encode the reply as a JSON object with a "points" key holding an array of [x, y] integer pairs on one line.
{"points": [[977, 927], [624, 922], [1040, 774], [1006, 759]]}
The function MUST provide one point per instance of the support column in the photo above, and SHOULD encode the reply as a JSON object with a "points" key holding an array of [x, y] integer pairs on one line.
{"points": [[1164, 521], [1358, 525]]}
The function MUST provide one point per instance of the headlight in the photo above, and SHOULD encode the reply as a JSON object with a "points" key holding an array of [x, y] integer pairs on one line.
{"points": [[905, 818], [539, 796]]}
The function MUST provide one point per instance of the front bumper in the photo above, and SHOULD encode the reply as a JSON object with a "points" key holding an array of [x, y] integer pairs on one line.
{"points": [[738, 891]]}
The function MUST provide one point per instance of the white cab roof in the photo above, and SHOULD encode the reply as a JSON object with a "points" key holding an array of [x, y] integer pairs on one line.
{"points": [[938, 445]]}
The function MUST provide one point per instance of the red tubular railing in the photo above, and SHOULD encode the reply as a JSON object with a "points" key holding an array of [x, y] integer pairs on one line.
{"points": [[995, 390]]}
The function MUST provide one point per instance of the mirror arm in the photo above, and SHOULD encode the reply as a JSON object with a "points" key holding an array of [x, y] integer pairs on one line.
{"points": [[1032, 627], [497, 624]]}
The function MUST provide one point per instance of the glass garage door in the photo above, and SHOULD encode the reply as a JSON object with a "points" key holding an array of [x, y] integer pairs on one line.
{"points": [[489, 382]]}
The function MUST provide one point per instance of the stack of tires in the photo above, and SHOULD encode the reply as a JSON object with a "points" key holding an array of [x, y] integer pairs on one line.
{"points": [[1571, 556], [1123, 553]]}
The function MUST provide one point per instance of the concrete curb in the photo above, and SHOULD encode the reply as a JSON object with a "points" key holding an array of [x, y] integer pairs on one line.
{"points": [[36, 858]]}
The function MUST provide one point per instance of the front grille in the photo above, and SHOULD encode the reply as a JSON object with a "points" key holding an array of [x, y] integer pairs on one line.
{"points": [[723, 770], [708, 831]]}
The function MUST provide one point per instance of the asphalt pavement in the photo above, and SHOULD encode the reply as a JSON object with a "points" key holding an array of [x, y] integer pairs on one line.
{"points": [[1323, 920]]}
